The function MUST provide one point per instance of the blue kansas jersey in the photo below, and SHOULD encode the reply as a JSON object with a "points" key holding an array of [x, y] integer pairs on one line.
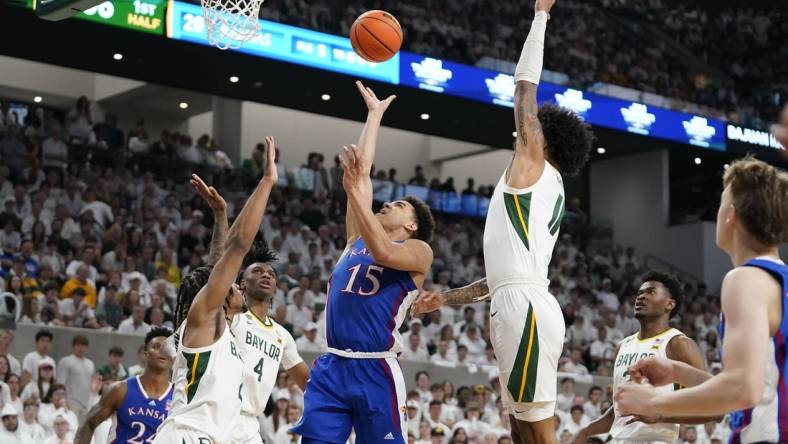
{"points": [[366, 303], [139, 416], [767, 422]]}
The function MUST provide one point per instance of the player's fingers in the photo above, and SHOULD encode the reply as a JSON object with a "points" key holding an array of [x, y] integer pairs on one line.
{"points": [[372, 93]]}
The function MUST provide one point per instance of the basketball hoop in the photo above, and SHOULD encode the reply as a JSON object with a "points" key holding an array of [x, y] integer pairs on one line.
{"points": [[231, 23]]}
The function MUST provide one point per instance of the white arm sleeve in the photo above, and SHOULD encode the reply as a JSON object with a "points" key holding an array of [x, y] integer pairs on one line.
{"points": [[529, 68], [290, 356]]}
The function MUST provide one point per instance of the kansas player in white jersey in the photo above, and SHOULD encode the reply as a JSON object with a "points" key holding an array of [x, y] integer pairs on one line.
{"points": [[523, 220], [140, 403], [751, 224], [359, 384], [658, 299], [264, 344], [208, 370]]}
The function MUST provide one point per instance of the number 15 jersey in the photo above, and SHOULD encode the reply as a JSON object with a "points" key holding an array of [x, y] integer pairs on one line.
{"points": [[264, 345], [366, 304]]}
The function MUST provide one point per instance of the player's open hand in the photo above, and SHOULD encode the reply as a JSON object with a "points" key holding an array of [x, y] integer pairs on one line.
{"points": [[209, 195], [427, 302], [544, 5], [352, 160], [635, 399], [374, 105], [271, 175], [780, 130], [657, 371]]}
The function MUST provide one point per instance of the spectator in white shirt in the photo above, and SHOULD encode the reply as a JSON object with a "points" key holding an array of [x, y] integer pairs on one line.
{"points": [[577, 334], [87, 258], [471, 339], [315, 294], [298, 315], [30, 363], [416, 328], [75, 372], [602, 350], [10, 432], [488, 361], [28, 423], [63, 432], [6, 339], [46, 377], [575, 363], [434, 415], [134, 324], [474, 427], [592, 407], [442, 357], [606, 296], [415, 350], [576, 420], [54, 152], [303, 287], [142, 358], [309, 342], [433, 329], [566, 397], [614, 334], [102, 213]]}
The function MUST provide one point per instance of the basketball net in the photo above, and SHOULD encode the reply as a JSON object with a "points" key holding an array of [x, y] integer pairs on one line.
{"points": [[231, 23]]}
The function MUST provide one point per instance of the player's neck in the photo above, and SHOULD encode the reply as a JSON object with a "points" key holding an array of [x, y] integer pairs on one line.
{"points": [[652, 327], [154, 382], [742, 252], [259, 309]]}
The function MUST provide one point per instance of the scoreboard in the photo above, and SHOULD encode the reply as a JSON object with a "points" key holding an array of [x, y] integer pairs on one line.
{"points": [[62, 9], [138, 15]]}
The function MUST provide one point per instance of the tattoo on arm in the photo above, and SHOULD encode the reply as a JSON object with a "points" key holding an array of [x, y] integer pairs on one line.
{"points": [[475, 292], [525, 98], [218, 238]]}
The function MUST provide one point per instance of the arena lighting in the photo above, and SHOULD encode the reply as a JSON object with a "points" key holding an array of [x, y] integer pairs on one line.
{"points": [[234, 79], [425, 116], [514, 134], [698, 161], [37, 99], [601, 150], [183, 105], [726, 166], [326, 97], [117, 56]]}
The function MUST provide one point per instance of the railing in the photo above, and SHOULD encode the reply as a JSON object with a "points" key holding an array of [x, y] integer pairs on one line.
{"points": [[654, 263]]}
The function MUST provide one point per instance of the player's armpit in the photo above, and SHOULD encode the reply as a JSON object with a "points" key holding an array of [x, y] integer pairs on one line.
{"points": [[106, 407]]}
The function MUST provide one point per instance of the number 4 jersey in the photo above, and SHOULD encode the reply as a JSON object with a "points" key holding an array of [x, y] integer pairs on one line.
{"points": [[140, 415], [366, 304], [264, 346]]}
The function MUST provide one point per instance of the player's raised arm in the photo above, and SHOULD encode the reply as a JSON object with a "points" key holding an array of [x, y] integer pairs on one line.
{"points": [[413, 255], [110, 401], [746, 294], [367, 143], [529, 158], [218, 206], [240, 237]]}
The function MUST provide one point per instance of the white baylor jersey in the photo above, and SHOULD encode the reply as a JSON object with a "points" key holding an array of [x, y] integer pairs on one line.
{"points": [[631, 351], [521, 230], [264, 346], [207, 395]]}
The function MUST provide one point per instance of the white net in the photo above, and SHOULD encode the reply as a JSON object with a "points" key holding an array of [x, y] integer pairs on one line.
{"points": [[231, 23]]}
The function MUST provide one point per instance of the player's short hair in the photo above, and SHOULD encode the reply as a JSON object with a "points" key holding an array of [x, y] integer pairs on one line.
{"points": [[424, 220], [190, 286], [157, 333], [569, 139], [760, 197], [671, 284], [260, 252]]}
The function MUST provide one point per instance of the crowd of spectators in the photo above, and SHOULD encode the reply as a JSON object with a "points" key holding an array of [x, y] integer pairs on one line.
{"points": [[97, 247], [588, 43]]}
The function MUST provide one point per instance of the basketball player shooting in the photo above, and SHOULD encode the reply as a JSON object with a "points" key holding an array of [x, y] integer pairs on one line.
{"points": [[752, 222], [658, 299], [527, 326], [359, 384], [208, 370]]}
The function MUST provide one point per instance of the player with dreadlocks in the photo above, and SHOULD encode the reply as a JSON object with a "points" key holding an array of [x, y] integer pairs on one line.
{"points": [[263, 343], [208, 369]]}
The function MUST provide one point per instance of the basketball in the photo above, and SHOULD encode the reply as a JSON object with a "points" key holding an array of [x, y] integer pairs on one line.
{"points": [[376, 36]]}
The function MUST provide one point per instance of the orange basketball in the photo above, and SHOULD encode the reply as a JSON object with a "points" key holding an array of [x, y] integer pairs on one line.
{"points": [[376, 36]]}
